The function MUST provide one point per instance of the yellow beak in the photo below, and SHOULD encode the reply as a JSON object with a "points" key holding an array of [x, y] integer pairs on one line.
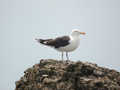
{"points": [[83, 33]]}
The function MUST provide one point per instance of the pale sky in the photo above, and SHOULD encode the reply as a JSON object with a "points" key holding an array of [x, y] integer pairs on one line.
{"points": [[21, 21]]}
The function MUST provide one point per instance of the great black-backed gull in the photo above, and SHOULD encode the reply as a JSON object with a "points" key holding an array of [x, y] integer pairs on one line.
{"points": [[64, 43]]}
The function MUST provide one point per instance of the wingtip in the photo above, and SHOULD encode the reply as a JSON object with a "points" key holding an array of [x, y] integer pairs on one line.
{"points": [[36, 39]]}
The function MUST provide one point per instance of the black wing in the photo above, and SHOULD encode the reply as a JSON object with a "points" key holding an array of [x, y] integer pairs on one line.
{"points": [[58, 42]]}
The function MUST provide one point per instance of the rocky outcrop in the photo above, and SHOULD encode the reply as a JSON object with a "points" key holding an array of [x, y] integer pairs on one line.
{"points": [[57, 75]]}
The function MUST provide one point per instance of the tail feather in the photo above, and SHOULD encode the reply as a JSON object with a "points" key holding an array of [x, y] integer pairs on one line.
{"points": [[43, 41]]}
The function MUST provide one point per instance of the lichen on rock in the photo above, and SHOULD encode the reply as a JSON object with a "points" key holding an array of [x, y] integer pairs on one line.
{"points": [[58, 75]]}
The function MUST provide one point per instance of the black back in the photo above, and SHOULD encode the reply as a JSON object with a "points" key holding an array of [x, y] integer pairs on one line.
{"points": [[59, 42]]}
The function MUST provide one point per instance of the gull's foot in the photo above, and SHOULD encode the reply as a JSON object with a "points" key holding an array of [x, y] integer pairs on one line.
{"points": [[67, 61]]}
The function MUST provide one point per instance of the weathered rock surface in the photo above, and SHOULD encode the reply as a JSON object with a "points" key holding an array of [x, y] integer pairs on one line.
{"points": [[57, 75]]}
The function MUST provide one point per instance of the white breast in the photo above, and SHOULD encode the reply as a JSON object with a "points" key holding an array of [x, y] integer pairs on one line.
{"points": [[74, 43]]}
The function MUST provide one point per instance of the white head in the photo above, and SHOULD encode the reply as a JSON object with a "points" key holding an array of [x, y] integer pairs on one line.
{"points": [[76, 32]]}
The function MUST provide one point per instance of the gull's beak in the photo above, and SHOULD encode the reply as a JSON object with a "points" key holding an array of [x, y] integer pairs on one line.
{"points": [[83, 33]]}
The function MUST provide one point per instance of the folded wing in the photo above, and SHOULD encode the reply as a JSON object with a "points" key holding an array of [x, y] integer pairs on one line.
{"points": [[57, 42]]}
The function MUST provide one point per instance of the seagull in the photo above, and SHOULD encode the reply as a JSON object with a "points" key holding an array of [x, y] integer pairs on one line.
{"points": [[64, 43]]}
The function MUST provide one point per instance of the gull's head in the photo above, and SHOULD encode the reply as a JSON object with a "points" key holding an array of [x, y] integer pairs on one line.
{"points": [[76, 32]]}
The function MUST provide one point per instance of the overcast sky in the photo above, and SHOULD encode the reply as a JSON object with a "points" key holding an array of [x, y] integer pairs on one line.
{"points": [[21, 21]]}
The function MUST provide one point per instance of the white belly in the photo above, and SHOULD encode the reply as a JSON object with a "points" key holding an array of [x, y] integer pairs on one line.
{"points": [[74, 43]]}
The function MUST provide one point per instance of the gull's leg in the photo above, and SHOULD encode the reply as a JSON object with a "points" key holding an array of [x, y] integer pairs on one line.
{"points": [[62, 56], [67, 56]]}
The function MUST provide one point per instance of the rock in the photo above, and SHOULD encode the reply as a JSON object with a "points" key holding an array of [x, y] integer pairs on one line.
{"points": [[44, 75], [57, 75]]}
